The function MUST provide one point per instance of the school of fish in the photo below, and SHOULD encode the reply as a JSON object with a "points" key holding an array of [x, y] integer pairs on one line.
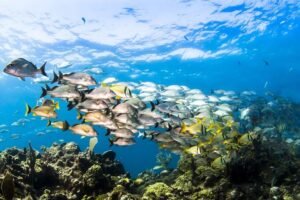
{"points": [[178, 118]]}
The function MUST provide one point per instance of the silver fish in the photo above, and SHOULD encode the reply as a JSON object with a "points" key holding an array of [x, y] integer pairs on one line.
{"points": [[75, 78], [23, 68], [62, 91]]}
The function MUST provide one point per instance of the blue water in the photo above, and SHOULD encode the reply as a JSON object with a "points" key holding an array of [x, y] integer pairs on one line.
{"points": [[200, 44]]}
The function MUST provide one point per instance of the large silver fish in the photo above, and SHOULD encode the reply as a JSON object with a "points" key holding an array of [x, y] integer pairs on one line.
{"points": [[62, 91], [23, 68], [75, 78]]}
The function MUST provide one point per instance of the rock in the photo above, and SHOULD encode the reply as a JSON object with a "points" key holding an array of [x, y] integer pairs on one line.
{"points": [[111, 155], [158, 191], [60, 172], [94, 177], [274, 191], [71, 148], [8, 186]]}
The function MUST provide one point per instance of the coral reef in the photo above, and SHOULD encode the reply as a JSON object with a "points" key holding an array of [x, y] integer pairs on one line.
{"points": [[59, 172], [265, 169]]}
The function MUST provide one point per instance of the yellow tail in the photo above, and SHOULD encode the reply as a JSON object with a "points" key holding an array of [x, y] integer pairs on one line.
{"points": [[183, 128], [57, 107]]}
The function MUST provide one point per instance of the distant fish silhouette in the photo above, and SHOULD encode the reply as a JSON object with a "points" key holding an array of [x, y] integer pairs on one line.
{"points": [[186, 38], [266, 84], [266, 62], [83, 19]]}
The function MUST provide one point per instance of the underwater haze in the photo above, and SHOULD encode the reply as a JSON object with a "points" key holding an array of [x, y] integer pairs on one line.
{"points": [[237, 46]]}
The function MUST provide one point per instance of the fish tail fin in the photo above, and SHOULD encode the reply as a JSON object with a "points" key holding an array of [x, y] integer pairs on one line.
{"points": [[55, 78], [82, 97], [49, 123], [106, 111], [107, 132], [169, 127], [57, 107], [144, 135], [42, 69], [183, 128], [152, 105], [71, 105], [47, 87], [60, 75], [130, 93], [28, 109], [44, 92], [111, 142], [157, 102], [79, 116], [65, 126], [127, 91]]}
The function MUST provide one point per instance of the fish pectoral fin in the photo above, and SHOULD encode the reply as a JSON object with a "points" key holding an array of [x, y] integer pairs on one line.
{"points": [[22, 78]]}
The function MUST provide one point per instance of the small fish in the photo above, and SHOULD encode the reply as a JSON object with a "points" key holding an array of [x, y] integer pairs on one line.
{"points": [[83, 19], [247, 138], [122, 133], [266, 62], [91, 104], [121, 141], [63, 125], [95, 116], [42, 111], [157, 167], [123, 108], [75, 78], [266, 84], [83, 130], [100, 93], [186, 38], [122, 91], [137, 103], [194, 150], [22, 68], [15, 136], [62, 91], [4, 130], [219, 163], [193, 129]]}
